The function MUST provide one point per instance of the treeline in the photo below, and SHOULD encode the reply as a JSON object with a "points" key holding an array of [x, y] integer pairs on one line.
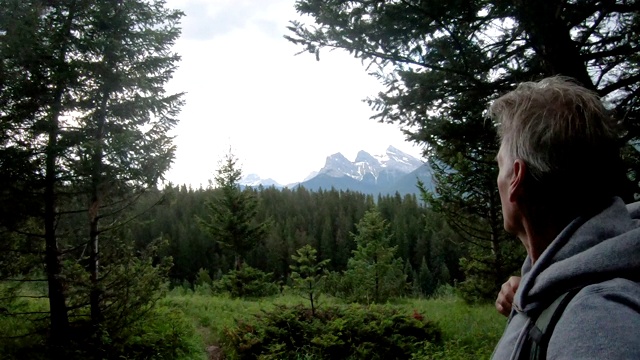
{"points": [[326, 220]]}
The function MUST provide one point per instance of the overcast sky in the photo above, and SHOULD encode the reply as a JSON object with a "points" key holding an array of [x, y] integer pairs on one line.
{"points": [[281, 114]]}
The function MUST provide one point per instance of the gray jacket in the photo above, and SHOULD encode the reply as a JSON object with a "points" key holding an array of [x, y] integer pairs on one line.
{"points": [[601, 255]]}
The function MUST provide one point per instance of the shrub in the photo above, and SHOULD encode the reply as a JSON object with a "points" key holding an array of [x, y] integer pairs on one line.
{"points": [[335, 285], [164, 334], [204, 289], [352, 332], [203, 278], [159, 334], [247, 282]]}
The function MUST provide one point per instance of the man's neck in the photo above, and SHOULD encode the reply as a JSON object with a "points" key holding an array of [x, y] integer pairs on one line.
{"points": [[536, 239]]}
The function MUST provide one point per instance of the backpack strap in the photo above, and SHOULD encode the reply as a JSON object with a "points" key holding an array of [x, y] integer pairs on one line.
{"points": [[540, 333]]}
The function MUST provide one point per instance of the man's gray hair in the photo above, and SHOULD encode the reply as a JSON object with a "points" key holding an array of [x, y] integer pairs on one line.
{"points": [[569, 142], [553, 125]]}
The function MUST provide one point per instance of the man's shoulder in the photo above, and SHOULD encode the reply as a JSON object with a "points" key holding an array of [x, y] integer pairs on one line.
{"points": [[602, 297], [602, 321], [617, 285]]}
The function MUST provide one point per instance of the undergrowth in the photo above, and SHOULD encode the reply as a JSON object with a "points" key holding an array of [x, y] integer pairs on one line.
{"points": [[467, 331]]}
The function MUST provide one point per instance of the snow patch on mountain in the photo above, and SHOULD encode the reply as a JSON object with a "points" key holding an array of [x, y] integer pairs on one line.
{"points": [[365, 164], [254, 180], [396, 159], [377, 169]]}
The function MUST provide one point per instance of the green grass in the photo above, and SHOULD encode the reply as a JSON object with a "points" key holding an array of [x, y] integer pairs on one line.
{"points": [[469, 331], [211, 314], [164, 333]]}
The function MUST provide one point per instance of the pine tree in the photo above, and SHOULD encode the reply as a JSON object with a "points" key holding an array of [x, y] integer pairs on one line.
{"points": [[83, 104], [427, 281], [127, 148], [308, 273], [373, 272], [231, 218]]}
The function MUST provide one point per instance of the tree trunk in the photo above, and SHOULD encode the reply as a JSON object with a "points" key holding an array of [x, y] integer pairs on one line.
{"points": [[550, 37], [313, 308], [94, 218], [59, 330], [238, 262], [94, 296], [57, 301]]}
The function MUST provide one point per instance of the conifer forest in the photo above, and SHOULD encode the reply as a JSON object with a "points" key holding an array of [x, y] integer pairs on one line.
{"points": [[102, 258]]}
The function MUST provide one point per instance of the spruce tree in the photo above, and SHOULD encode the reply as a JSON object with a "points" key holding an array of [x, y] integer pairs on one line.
{"points": [[427, 281], [83, 103], [308, 273], [373, 272], [232, 213]]}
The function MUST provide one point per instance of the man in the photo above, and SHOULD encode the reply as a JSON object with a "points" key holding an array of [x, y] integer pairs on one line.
{"points": [[560, 172]]}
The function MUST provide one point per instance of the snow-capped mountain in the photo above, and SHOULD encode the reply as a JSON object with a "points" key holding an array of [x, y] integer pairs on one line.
{"points": [[254, 180], [387, 173], [337, 165], [371, 168], [372, 174], [398, 160]]}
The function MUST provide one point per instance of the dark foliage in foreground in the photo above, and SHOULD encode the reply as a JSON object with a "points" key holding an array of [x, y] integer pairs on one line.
{"points": [[352, 332], [159, 334]]}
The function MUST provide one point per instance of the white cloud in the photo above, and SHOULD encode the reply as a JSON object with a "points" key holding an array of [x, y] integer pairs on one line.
{"points": [[281, 114]]}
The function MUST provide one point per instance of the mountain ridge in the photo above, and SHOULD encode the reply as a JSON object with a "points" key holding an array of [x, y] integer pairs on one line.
{"points": [[393, 171]]}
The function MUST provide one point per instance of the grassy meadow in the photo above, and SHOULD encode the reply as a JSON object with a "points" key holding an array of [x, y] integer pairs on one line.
{"points": [[468, 331], [185, 323]]}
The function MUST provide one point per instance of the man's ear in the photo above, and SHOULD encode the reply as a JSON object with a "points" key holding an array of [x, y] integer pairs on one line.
{"points": [[516, 185]]}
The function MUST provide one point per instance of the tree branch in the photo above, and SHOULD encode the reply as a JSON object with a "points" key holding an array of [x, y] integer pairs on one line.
{"points": [[631, 80]]}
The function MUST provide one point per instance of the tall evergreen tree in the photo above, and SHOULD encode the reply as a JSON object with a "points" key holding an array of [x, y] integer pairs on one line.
{"points": [[425, 279], [84, 104], [127, 116], [231, 218], [374, 273]]}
